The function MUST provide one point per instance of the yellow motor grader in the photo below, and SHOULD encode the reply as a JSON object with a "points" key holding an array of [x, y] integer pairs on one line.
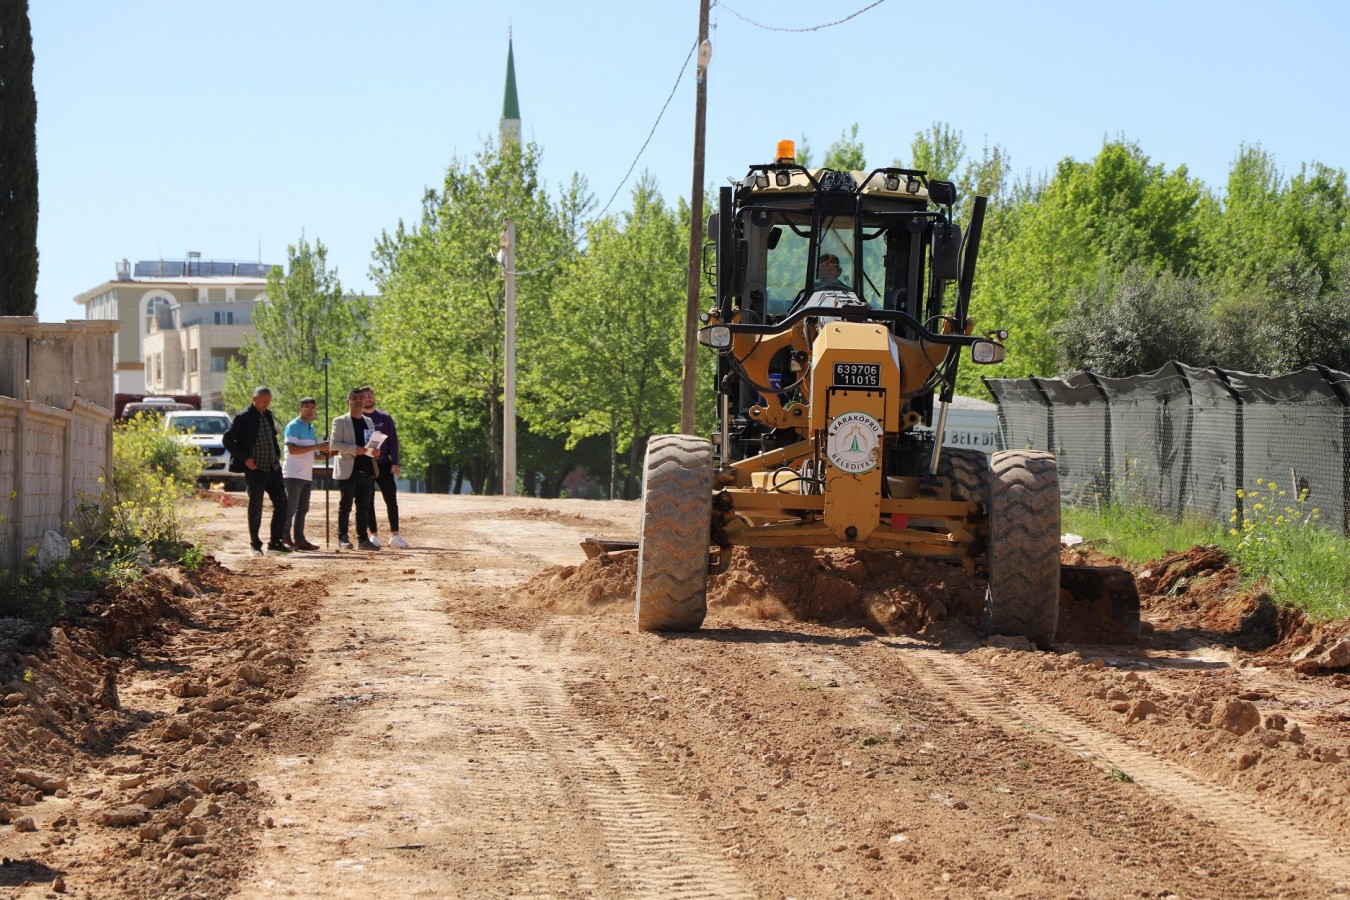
{"points": [[837, 353]]}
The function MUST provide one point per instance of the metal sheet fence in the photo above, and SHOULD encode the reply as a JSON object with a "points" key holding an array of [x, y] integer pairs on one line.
{"points": [[1184, 440]]}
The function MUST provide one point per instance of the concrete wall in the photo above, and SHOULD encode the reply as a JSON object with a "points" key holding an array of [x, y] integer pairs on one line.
{"points": [[56, 414]]}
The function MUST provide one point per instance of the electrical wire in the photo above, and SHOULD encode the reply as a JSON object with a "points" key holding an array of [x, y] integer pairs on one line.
{"points": [[600, 215], [660, 115], [799, 30]]}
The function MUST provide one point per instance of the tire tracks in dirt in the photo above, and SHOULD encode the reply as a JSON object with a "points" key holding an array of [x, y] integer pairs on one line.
{"points": [[457, 762], [540, 738], [1254, 828]]}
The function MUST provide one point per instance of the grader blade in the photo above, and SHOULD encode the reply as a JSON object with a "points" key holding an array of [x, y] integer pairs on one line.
{"points": [[1097, 605], [593, 547]]}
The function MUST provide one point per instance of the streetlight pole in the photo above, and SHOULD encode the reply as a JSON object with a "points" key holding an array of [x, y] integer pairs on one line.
{"points": [[690, 379], [327, 465], [509, 387]]}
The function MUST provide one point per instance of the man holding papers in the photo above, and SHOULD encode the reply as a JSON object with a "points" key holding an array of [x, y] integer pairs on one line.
{"points": [[355, 442]]}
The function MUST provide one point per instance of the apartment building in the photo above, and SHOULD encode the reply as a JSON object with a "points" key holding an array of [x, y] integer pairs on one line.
{"points": [[183, 320]]}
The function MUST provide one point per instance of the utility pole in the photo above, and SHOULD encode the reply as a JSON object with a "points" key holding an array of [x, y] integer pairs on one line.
{"points": [[690, 380], [509, 388]]}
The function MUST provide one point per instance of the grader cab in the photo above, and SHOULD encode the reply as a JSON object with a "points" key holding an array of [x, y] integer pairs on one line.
{"points": [[837, 338]]}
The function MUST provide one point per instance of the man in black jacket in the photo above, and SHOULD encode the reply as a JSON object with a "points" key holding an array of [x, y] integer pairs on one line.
{"points": [[252, 442]]}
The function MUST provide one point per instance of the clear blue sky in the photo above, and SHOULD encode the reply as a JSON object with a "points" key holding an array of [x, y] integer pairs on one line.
{"points": [[229, 128]]}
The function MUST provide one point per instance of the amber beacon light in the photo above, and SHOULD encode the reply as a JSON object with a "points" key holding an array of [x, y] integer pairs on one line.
{"points": [[787, 151]]}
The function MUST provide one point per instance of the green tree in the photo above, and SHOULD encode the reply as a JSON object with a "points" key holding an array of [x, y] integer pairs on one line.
{"points": [[1054, 238], [1292, 321], [611, 364], [803, 157], [1244, 235], [940, 151], [440, 320], [18, 163], [305, 316], [1137, 321], [1263, 222], [846, 154], [1319, 216]]}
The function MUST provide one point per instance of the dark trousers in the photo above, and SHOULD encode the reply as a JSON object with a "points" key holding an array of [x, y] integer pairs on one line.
{"points": [[389, 490], [297, 507], [358, 490], [271, 484]]}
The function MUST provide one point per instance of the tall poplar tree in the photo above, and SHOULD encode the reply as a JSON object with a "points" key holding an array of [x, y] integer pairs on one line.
{"points": [[18, 163]]}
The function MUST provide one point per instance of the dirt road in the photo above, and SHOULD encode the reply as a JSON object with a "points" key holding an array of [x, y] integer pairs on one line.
{"points": [[448, 721]]}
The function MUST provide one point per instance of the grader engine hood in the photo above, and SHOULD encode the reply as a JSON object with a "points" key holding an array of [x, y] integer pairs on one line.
{"points": [[853, 357]]}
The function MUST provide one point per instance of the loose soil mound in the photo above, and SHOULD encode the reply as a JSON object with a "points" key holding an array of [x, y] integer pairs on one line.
{"points": [[138, 713], [1198, 596], [600, 583], [880, 591]]}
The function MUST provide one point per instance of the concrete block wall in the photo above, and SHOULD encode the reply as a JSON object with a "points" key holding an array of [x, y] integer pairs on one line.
{"points": [[56, 415]]}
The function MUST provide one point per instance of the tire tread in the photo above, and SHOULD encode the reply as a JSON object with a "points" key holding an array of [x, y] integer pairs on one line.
{"points": [[1023, 553], [675, 534]]}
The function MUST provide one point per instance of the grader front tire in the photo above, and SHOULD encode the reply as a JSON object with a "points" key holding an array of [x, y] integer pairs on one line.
{"points": [[1023, 552], [672, 579], [969, 472]]}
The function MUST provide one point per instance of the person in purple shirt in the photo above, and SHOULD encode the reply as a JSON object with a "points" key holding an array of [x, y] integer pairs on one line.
{"points": [[385, 481]]}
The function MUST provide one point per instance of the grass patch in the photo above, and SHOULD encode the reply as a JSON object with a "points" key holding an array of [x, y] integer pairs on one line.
{"points": [[1280, 536], [1270, 536], [1138, 533]]}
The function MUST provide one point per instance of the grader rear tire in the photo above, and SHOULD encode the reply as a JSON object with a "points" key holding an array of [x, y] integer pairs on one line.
{"points": [[1023, 552], [672, 578]]}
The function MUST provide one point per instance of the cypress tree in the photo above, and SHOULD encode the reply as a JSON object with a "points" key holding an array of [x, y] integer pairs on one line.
{"points": [[18, 163]]}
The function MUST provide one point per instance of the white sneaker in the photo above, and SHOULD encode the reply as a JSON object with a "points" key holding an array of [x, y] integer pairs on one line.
{"points": [[344, 545], [398, 541], [374, 539]]}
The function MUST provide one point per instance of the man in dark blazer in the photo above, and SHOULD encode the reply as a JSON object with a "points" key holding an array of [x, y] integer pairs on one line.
{"points": [[252, 442]]}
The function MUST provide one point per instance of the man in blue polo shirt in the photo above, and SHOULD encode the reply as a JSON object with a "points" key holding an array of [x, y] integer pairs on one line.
{"points": [[298, 471]]}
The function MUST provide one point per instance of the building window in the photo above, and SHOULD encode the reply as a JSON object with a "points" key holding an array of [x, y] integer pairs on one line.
{"points": [[225, 318], [156, 303], [217, 364], [159, 368]]}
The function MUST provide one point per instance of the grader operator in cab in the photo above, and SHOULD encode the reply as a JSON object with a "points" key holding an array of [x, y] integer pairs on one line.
{"points": [[835, 338]]}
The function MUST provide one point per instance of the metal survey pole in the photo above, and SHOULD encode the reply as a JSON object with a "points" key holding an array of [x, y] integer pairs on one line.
{"points": [[327, 466]]}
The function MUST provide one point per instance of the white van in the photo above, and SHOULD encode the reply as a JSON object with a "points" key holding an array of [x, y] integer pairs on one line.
{"points": [[972, 424], [203, 429]]}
